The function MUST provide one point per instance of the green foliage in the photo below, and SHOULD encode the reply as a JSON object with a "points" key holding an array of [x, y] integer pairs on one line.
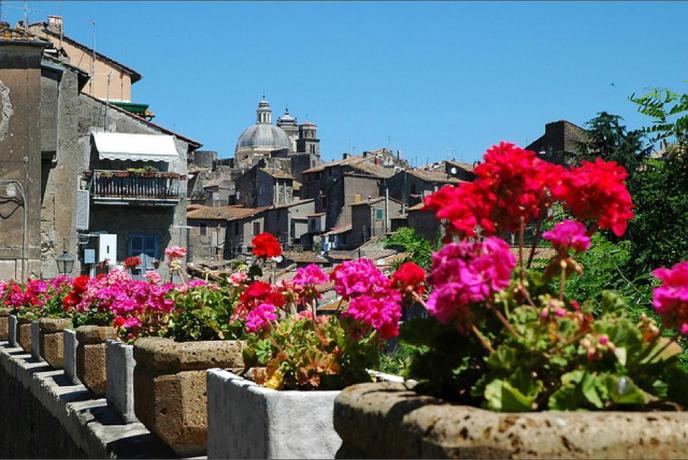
{"points": [[669, 113], [658, 233], [299, 353], [608, 139], [397, 360], [92, 318], [547, 353], [203, 313], [604, 268], [408, 240]]}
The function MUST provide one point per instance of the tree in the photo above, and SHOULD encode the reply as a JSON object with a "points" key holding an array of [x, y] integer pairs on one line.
{"points": [[658, 233], [611, 141]]}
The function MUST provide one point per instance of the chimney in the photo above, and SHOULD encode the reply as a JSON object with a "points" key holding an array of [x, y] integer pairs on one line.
{"points": [[55, 24], [346, 156]]}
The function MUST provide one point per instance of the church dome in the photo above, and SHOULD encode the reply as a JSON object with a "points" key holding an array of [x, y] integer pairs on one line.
{"points": [[264, 136]]}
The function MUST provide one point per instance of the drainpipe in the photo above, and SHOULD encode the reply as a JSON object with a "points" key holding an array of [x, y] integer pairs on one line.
{"points": [[386, 209]]}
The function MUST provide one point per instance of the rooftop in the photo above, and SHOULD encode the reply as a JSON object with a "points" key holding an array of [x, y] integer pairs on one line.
{"points": [[220, 212]]}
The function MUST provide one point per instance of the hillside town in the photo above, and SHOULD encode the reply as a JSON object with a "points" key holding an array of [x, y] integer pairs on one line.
{"points": [[163, 298], [106, 183]]}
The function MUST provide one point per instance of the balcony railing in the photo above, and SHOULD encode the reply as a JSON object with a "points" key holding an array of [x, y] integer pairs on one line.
{"points": [[115, 186]]}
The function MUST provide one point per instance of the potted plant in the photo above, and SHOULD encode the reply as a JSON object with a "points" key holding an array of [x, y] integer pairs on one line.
{"points": [[297, 362], [505, 357], [173, 353], [54, 320], [26, 303]]}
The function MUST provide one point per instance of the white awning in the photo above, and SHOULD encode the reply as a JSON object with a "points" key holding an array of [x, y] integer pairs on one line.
{"points": [[135, 147]]}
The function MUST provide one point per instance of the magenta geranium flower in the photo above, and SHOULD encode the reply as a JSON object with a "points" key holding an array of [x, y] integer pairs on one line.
{"points": [[671, 298], [259, 318], [569, 234]]}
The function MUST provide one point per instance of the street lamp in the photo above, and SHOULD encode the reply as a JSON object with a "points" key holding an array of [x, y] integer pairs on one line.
{"points": [[65, 263]]}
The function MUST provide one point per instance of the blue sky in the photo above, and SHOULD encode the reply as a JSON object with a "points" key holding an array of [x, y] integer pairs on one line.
{"points": [[435, 80]]}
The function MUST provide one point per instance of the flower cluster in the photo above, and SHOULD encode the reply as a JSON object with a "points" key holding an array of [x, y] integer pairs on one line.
{"points": [[568, 234], [514, 187], [671, 298], [373, 300], [409, 279], [265, 245], [466, 273]]}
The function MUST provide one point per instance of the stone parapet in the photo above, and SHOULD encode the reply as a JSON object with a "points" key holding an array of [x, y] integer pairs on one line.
{"points": [[388, 420], [46, 416], [120, 379]]}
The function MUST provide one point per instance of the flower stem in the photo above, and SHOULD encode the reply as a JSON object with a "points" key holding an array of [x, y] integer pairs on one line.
{"points": [[521, 238], [536, 240], [483, 340], [562, 280]]}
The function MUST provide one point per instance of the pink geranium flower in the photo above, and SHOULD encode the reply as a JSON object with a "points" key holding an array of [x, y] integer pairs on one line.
{"points": [[259, 318], [568, 234], [671, 298], [310, 275]]}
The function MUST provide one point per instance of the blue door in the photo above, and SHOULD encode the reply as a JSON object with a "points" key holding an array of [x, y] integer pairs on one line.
{"points": [[145, 246]]}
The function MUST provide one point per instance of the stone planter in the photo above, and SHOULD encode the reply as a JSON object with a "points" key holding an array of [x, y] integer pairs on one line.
{"points": [[282, 424], [12, 324], [170, 388], [120, 379], [24, 334], [35, 341], [70, 343], [90, 356], [51, 340], [4, 325], [387, 420]]}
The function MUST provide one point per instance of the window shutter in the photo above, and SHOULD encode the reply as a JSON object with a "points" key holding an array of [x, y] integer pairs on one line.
{"points": [[82, 209]]}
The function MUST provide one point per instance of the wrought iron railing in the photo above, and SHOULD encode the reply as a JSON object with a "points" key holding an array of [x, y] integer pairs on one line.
{"points": [[140, 186]]}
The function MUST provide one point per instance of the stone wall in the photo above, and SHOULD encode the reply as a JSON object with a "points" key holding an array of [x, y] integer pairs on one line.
{"points": [[43, 415]]}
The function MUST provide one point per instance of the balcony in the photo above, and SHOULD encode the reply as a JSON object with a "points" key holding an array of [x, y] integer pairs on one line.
{"points": [[135, 188]]}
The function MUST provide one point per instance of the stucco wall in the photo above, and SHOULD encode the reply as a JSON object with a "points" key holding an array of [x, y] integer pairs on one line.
{"points": [[20, 156]]}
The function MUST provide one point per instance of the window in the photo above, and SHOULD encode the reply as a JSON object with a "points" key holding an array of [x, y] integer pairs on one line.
{"points": [[204, 229], [379, 214], [256, 228], [236, 228]]}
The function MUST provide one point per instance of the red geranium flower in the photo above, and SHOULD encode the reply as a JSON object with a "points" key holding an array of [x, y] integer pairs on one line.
{"points": [[131, 262], [266, 245], [409, 278], [598, 192]]}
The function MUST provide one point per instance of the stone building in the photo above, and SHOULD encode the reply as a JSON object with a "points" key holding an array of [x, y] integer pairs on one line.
{"points": [[100, 182], [109, 79], [370, 219], [289, 222], [263, 185], [411, 185], [561, 139], [208, 230], [338, 184]]}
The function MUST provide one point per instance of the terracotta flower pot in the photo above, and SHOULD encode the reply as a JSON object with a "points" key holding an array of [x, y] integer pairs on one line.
{"points": [[24, 334], [170, 388], [51, 340], [91, 367], [387, 420]]}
